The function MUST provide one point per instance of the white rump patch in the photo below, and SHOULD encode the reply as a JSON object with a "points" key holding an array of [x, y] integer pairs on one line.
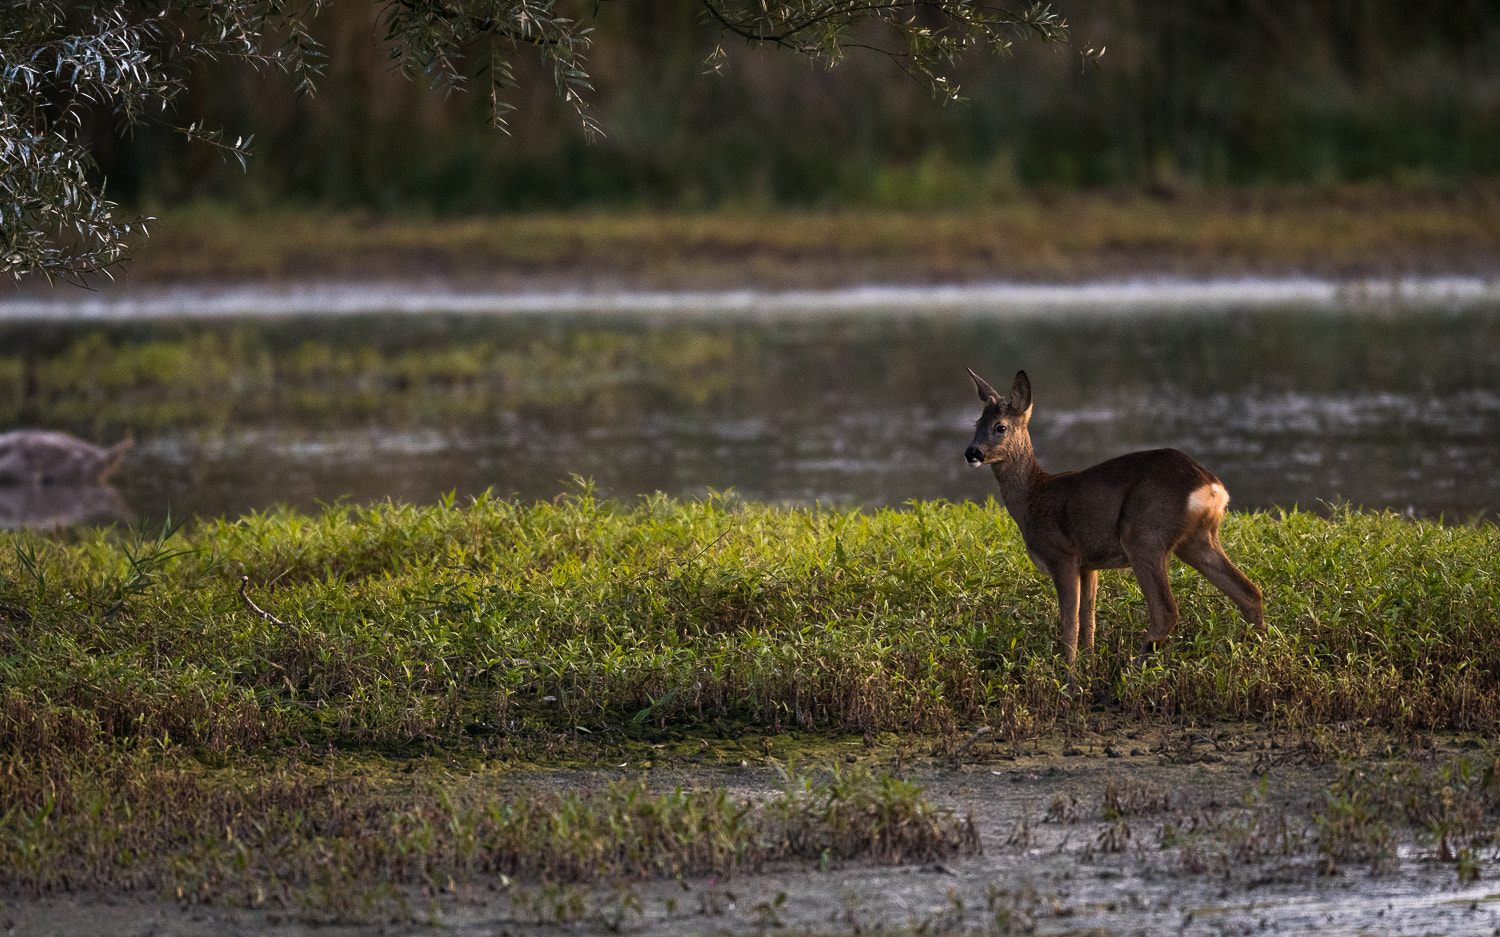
{"points": [[1209, 498]]}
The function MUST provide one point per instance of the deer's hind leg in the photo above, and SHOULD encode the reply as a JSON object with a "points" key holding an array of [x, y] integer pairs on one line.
{"points": [[1203, 551], [1161, 606], [1148, 560]]}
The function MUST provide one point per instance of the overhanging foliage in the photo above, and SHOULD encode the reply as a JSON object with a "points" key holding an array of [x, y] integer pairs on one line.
{"points": [[66, 67]]}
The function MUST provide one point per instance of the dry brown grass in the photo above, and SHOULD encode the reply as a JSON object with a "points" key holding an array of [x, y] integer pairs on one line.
{"points": [[1333, 232]]}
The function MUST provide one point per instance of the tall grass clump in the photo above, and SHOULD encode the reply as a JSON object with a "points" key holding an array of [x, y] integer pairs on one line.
{"points": [[342, 839], [501, 623]]}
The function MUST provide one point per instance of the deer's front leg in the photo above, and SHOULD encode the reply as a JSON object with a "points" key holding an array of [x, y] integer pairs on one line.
{"points": [[1066, 579], [1088, 592]]}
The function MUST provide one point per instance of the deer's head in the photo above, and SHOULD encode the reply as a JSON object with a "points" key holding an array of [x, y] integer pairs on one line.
{"points": [[1000, 432]]}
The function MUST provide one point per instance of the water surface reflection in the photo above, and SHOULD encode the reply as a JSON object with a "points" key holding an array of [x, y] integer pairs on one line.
{"points": [[1288, 406]]}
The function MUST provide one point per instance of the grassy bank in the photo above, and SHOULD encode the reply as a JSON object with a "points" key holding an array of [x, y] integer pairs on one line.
{"points": [[1341, 231], [333, 736], [500, 625]]}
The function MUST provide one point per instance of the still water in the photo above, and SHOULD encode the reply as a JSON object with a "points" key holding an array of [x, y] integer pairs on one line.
{"points": [[1382, 407]]}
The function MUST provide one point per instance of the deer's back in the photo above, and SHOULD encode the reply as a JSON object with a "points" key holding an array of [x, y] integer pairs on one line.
{"points": [[1087, 512]]}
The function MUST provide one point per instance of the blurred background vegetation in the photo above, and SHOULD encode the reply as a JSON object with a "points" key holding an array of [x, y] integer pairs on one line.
{"points": [[1192, 95]]}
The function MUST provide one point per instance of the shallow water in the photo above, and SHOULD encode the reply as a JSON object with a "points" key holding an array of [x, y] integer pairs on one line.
{"points": [[1291, 402], [1035, 874]]}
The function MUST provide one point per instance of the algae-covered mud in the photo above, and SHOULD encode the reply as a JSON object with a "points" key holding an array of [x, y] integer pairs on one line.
{"points": [[1201, 832]]}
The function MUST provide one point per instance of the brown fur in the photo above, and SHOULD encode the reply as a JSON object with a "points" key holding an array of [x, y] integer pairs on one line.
{"points": [[1132, 511]]}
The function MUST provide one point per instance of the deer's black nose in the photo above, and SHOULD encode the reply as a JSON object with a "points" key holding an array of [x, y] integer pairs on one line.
{"points": [[974, 456]]}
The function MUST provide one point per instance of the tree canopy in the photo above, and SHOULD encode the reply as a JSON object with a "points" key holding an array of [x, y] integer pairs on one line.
{"points": [[65, 66]]}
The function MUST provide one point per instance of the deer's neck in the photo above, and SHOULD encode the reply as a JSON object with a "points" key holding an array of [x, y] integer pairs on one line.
{"points": [[1019, 476]]}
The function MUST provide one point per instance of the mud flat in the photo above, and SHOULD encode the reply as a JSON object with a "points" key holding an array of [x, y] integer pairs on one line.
{"points": [[1217, 832]]}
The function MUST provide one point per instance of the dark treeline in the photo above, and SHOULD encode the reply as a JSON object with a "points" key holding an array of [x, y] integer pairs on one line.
{"points": [[1207, 93]]}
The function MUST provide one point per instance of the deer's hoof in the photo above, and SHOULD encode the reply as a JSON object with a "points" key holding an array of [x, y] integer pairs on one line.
{"points": [[1148, 650], [1103, 694]]}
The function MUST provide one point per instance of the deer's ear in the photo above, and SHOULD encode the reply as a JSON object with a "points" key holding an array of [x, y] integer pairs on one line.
{"points": [[1020, 393], [987, 394]]}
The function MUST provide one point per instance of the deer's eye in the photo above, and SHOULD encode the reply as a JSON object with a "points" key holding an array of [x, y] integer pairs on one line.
{"points": [[998, 429]]}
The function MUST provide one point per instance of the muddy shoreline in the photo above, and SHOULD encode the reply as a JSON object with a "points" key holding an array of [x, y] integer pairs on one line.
{"points": [[1076, 838]]}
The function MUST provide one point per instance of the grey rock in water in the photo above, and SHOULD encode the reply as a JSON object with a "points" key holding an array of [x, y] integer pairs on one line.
{"points": [[45, 457], [44, 507]]}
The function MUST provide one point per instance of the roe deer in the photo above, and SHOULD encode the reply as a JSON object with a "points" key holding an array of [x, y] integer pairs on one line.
{"points": [[1135, 510]]}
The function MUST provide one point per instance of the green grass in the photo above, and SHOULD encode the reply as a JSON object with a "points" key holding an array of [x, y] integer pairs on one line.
{"points": [[502, 622], [345, 839], [216, 379], [159, 732]]}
